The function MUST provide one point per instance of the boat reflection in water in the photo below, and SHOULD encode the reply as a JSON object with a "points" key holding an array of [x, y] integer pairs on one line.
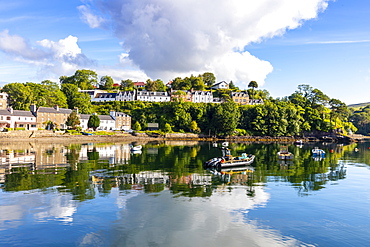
{"points": [[234, 175]]}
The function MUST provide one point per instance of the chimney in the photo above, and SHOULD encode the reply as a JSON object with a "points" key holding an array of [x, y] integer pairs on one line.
{"points": [[33, 108], [56, 107], [76, 109]]}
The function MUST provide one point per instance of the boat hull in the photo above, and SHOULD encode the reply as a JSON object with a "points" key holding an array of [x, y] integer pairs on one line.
{"points": [[220, 163]]}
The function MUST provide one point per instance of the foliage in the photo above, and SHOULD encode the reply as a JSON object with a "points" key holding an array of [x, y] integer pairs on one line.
{"points": [[127, 85], [73, 120], [94, 122], [208, 78], [76, 99], [22, 95], [106, 82], [136, 126], [83, 79], [155, 86], [167, 128]]}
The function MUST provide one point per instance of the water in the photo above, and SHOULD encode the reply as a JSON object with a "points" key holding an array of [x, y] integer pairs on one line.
{"points": [[104, 195]]}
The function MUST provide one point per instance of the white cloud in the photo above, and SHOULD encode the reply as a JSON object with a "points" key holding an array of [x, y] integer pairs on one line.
{"points": [[52, 58], [166, 38], [17, 46], [88, 17]]}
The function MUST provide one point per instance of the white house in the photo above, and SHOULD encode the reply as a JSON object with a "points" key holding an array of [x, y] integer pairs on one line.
{"points": [[104, 97], [106, 122], [201, 96], [126, 96], [220, 85], [10, 118], [153, 96]]}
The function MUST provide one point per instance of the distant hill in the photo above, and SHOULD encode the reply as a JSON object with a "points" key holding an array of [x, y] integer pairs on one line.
{"points": [[360, 105]]}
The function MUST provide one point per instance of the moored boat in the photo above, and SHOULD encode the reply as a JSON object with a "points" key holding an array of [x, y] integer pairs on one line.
{"points": [[136, 148], [284, 154], [227, 160], [318, 152]]}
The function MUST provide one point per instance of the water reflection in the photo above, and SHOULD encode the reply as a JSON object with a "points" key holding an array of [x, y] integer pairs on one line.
{"points": [[108, 195], [79, 168]]}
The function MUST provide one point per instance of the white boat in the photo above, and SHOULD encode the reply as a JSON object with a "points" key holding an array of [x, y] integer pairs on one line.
{"points": [[318, 152], [227, 160], [284, 154], [136, 148]]}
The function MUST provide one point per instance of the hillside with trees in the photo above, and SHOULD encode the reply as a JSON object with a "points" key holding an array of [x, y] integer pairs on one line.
{"points": [[307, 110]]}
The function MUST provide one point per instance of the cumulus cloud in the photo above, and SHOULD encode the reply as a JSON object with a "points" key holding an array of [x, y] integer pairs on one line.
{"points": [[53, 57], [166, 37]]}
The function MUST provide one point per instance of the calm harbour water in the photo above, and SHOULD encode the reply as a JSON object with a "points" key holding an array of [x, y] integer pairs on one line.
{"points": [[104, 195]]}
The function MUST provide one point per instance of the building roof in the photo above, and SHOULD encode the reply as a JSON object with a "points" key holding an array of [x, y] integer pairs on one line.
{"points": [[139, 84], [54, 110], [219, 83], [106, 95], [19, 113], [105, 117]]}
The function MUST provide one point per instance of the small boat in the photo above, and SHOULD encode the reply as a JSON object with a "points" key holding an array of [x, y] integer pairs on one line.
{"points": [[135, 148], [136, 152], [86, 133], [318, 152], [298, 142], [227, 160], [284, 154]]}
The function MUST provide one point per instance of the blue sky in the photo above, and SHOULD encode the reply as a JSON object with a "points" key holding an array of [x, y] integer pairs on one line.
{"points": [[280, 44]]}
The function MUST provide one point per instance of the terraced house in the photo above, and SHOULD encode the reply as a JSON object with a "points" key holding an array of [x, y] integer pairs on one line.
{"points": [[15, 119], [54, 114]]}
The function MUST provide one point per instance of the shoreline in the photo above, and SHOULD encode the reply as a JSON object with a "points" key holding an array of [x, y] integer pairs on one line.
{"points": [[52, 137]]}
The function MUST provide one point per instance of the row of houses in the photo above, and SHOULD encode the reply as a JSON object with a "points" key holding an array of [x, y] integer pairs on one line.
{"points": [[173, 95], [38, 118]]}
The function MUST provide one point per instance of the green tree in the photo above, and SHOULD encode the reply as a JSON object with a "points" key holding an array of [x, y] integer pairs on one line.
{"points": [[167, 128], [136, 126], [84, 79], [194, 127], [225, 118], [70, 91], [253, 85], [127, 85], [73, 120], [106, 82], [48, 94], [208, 78], [20, 95], [197, 83], [155, 86], [82, 102], [232, 86], [94, 122]]}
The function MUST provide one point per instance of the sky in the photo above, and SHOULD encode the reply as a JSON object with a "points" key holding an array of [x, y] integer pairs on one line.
{"points": [[280, 44]]}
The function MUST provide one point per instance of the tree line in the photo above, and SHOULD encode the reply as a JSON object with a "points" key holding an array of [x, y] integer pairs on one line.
{"points": [[306, 110]]}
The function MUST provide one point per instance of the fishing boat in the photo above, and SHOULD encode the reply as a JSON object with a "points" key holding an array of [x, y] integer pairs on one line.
{"points": [[284, 154], [227, 160]]}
